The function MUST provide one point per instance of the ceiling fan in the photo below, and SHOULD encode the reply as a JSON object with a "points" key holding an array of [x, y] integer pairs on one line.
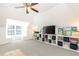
{"points": [[28, 6]]}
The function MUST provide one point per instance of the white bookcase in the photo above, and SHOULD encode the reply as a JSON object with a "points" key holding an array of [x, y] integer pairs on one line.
{"points": [[54, 42]]}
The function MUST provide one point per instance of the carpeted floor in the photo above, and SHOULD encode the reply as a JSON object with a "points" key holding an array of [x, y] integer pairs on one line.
{"points": [[33, 48]]}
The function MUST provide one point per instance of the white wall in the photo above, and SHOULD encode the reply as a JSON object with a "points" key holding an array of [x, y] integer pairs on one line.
{"points": [[9, 11], [2, 26], [19, 14], [60, 15]]}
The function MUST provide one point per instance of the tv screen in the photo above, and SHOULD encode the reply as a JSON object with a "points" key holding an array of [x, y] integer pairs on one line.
{"points": [[49, 30]]}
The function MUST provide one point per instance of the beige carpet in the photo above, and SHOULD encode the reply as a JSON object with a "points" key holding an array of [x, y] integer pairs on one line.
{"points": [[16, 52], [33, 48]]}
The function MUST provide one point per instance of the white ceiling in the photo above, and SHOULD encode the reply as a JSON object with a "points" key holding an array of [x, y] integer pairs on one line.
{"points": [[74, 7], [42, 7], [45, 6]]}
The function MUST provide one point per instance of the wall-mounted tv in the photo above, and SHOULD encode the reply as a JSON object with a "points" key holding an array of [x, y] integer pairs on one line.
{"points": [[49, 29]]}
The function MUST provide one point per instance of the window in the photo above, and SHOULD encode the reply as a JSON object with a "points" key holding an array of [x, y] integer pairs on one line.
{"points": [[16, 29], [11, 30]]}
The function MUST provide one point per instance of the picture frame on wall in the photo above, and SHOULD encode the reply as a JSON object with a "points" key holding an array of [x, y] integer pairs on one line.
{"points": [[60, 31], [75, 33], [74, 28], [67, 31]]}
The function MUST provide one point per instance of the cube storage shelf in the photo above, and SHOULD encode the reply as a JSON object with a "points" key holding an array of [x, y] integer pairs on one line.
{"points": [[58, 40]]}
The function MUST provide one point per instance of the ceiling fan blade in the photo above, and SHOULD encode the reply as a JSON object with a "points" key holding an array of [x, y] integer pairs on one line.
{"points": [[20, 7], [32, 4], [35, 10], [27, 12]]}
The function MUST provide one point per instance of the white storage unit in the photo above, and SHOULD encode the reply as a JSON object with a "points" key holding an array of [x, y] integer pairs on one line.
{"points": [[52, 39]]}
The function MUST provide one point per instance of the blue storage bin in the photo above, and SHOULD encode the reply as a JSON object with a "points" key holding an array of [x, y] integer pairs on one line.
{"points": [[43, 40], [66, 39], [53, 37], [50, 41], [60, 43], [73, 46]]}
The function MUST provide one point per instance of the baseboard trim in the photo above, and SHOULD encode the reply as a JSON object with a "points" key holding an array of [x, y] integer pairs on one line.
{"points": [[3, 43]]}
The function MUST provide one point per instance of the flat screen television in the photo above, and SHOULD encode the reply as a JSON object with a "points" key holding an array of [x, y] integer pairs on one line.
{"points": [[49, 29]]}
